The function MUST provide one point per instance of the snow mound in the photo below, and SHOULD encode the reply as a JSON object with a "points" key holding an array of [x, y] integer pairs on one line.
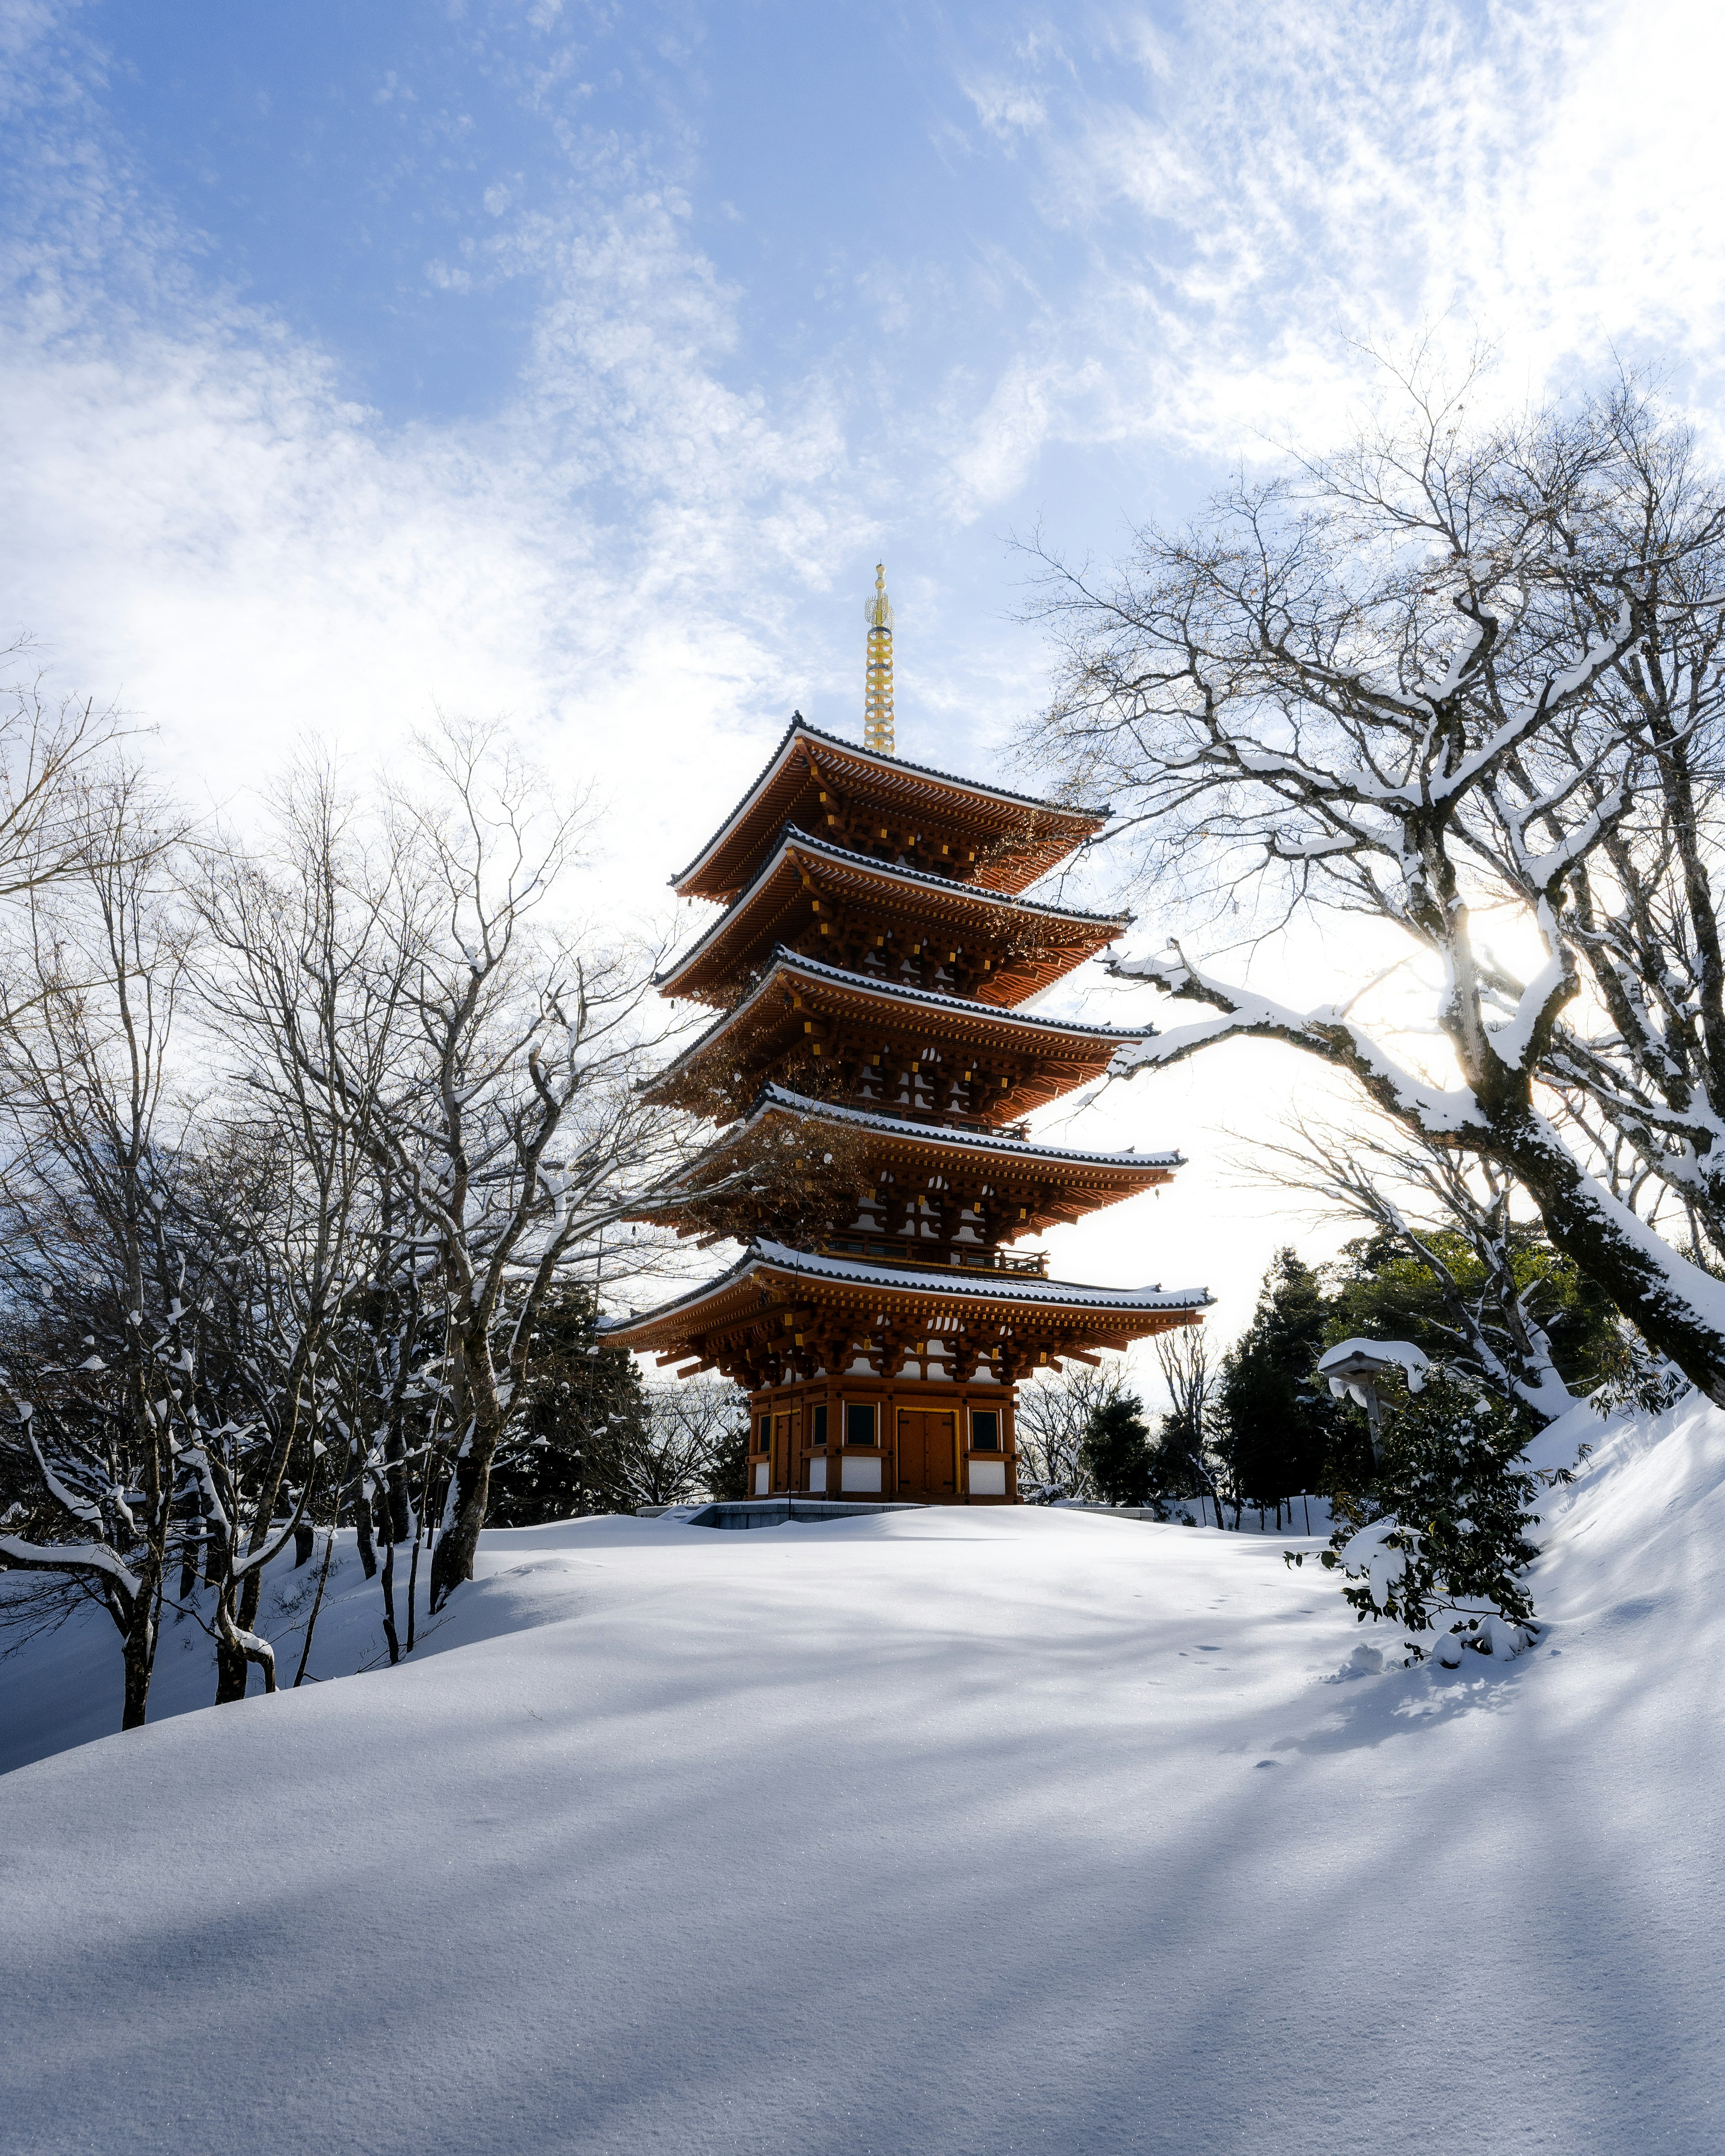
{"points": [[943, 1831]]}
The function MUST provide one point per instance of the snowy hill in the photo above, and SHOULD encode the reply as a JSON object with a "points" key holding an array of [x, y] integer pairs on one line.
{"points": [[935, 1831]]}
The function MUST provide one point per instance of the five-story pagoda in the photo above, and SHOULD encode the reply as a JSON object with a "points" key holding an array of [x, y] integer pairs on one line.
{"points": [[869, 1067]]}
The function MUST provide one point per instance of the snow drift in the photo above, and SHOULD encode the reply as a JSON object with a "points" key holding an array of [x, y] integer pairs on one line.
{"points": [[935, 1831]]}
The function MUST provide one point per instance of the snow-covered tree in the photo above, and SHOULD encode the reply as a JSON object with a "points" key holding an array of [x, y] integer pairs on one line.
{"points": [[1442, 1544], [1456, 666], [98, 1376], [1449, 1264]]}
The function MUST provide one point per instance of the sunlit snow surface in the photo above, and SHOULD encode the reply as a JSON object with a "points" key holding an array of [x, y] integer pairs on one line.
{"points": [[936, 1831]]}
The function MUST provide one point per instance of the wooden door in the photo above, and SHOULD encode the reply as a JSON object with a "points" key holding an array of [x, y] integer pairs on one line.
{"points": [[782, 1462], [927, 1453]]}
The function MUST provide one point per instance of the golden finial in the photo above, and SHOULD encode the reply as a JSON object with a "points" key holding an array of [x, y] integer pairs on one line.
{"points": [[877, 681]]}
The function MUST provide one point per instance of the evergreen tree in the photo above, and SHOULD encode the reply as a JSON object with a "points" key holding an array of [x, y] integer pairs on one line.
{"points": [[582, 1407], [728, 1476], [1279, 1431], [1442, 1545], [1117, 1450]]}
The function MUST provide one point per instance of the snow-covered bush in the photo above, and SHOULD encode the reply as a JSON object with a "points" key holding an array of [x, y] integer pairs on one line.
{"points": [[1441, 1544], [1634, 1375]]}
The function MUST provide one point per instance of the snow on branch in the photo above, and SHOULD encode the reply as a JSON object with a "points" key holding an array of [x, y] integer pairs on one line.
{"points": [[1327, 1031], [72, 1557], [80, 1508]]}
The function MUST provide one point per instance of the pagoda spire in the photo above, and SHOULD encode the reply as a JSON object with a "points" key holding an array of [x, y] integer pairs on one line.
{"points": [[877, 687]]}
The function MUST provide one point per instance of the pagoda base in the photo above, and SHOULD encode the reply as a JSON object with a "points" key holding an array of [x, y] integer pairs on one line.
{"points": [[920, 1440]]}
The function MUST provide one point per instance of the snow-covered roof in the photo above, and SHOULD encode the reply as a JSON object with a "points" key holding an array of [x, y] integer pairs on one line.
{"points": [[791, 961], [961, 1283], [793, 841], [782, 1097], [1004, 1287], [890, 766], [1360, 1357], [902, 991]]}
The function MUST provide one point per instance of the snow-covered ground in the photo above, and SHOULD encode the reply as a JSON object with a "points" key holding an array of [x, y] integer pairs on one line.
{"points": [[932, 1832]]}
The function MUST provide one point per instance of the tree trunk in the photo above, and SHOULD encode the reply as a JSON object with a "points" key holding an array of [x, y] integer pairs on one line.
{"points": [[138, 1648], [391, 1636], [1679, 1308], [232, 1670], [457, 1546], [362, 1529], [400, 1509], [329, 1551]]}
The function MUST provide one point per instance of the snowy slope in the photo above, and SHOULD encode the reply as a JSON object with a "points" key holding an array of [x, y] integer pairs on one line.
{"points": [[937, 1831]]}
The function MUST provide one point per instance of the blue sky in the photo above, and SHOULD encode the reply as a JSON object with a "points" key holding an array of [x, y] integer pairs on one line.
{"points": [[577, 362]]}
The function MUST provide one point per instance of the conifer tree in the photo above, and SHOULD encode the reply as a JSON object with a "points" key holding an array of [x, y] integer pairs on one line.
{"points": [[1117, 1450], [1279, 1428], [582, 1402]]}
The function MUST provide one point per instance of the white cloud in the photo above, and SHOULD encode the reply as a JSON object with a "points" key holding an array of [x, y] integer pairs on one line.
{"points": [[200, 521], [1244, 199], [1004, 108], [635, 557]]}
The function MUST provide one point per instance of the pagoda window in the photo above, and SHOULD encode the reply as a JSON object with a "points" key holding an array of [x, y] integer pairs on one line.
{"points": [[763, 1435], [818, 1424], [860, 1422], [985, 1429]]}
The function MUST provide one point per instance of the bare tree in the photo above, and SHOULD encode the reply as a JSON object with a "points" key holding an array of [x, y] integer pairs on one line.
{"points": [[315, 934], [99, 1375], [310, 1288], [1452, 666], [1187, 1463], [50, 752], [523, 1133], [671, 1458], [1052, 1420]]}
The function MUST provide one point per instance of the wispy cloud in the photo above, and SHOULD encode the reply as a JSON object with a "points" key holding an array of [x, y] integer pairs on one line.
{"points": [[1254, 195], [200, 519]]}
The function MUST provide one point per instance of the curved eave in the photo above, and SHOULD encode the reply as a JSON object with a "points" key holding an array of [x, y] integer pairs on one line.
{"points": [[720, 868], [951, 1018], [1016, 1156], [735, 1295], [843, 877]]}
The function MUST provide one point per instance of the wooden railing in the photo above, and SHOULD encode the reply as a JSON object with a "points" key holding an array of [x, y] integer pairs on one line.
{"points": [[1030, 1264]]}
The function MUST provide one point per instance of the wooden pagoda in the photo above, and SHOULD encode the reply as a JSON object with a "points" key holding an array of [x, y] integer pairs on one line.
{"points": [[868, 1069]]}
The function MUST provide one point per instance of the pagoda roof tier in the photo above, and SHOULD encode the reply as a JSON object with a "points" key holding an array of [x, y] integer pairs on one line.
{"points": [[775, 1022], [1067, 1182], [848, 1297], [805, 886], [1007, 840], [992, 1144]]}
